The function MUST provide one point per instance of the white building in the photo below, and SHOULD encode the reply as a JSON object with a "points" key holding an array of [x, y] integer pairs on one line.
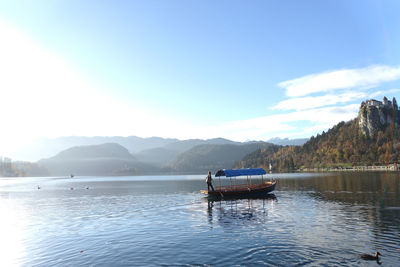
{"points": [[375, 103]]}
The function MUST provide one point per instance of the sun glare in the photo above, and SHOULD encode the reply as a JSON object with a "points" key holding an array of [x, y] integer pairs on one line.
{"points": [[12, 234]]}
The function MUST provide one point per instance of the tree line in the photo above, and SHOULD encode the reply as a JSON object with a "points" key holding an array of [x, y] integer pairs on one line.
{"points": [[344, 145], [9, 168]]}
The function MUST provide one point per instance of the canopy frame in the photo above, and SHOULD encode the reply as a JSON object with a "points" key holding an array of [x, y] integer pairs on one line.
{"points": [[240, 172]]}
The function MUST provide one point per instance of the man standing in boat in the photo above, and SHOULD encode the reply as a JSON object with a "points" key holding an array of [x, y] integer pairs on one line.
{"points": [[209, 181]]}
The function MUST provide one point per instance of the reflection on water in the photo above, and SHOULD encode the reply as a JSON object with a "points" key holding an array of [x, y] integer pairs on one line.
{"points": [[228, 212], [355, 183], [311, 219], [378, 193], [375, 197]]}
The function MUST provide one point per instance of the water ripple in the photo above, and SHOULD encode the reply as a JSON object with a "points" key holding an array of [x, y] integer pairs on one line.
{"points": [[168, 223]]}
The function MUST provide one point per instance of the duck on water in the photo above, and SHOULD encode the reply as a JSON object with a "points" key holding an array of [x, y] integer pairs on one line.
{"points": [[371, 257]]}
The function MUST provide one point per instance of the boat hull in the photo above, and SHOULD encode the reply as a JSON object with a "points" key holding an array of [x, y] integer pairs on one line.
{"points": [[242, 191]]}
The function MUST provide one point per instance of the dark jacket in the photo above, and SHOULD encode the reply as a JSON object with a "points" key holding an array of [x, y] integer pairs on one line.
{"points": [[208, 179]]}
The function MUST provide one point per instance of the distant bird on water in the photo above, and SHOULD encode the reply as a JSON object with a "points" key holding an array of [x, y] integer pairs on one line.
{"points": [[371, 257], [38, 187]]}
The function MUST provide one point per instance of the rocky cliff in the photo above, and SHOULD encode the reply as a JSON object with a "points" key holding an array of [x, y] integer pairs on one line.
{"points": [[375, 115]]}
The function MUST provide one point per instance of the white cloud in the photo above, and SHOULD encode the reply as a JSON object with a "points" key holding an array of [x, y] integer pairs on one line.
{"points": [[313, 114], [282, 124], [322, 111], [383, 93], [392, 91], [340, 79], [278, 125], [309, 102]]}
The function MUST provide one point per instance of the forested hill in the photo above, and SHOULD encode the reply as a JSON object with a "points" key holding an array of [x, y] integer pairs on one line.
{"points": [[343, 145], [207, 157], [104, 159]]}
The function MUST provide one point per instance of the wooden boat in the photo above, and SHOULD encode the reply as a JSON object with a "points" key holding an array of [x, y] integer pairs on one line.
{"points": [[241, 190]]}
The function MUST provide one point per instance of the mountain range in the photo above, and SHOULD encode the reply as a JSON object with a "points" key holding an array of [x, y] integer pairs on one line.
{"points": [[147, 149], [369, 139], [191, 156], [133, 155], [287, 141], [211, 157], [104, 159]]}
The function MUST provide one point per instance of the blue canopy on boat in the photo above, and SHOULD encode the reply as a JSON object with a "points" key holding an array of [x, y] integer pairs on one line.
{"points": [[240, 172]]}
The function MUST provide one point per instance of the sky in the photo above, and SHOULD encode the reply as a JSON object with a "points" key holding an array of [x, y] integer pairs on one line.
{"points": [[241, 70]]}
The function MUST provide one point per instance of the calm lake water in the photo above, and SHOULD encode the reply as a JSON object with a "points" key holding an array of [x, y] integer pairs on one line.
{"points": [[312, 219]]}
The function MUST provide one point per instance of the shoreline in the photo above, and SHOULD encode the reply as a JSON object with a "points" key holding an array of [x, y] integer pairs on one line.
{"points": [[391, 167]]}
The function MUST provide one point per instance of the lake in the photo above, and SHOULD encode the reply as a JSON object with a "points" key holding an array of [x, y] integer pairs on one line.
{"points": [[311, 219]]}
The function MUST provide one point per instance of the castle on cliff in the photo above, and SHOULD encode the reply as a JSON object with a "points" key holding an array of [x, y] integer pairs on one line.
{"points": [[378, 104], [375, 115]]}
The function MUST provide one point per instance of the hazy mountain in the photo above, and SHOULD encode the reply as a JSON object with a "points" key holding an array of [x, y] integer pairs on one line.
{"points": [[114, 159], [104, 159], [108, 150], [206, 157], [287, 141], [188, 144], [163, 155], [157, 156], [46, 147]]}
